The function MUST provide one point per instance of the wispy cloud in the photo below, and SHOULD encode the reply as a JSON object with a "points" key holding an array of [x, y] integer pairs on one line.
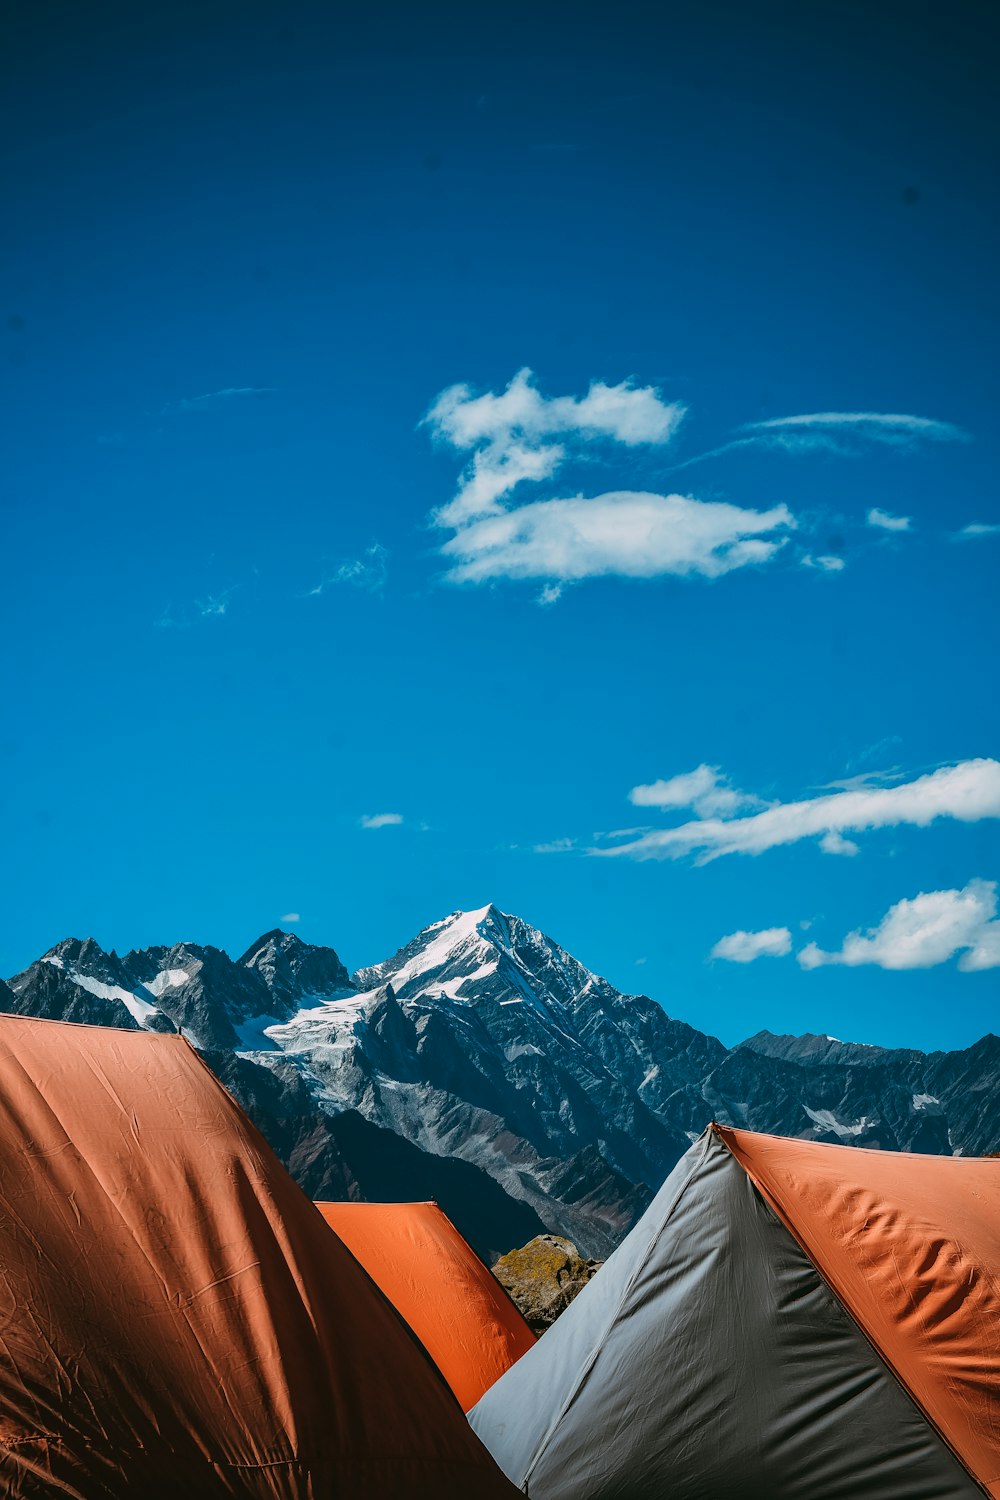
{"points": [[839, 432], [976, 529], [380, 820], [869, 753], [826, 563], [624, 533], [214, 604], [968, 792], [881, 520], [218, 398], [895, 428], [510, 433], [369, 572], [211, 607], [290, 916], [924, 932], [743, 947]]}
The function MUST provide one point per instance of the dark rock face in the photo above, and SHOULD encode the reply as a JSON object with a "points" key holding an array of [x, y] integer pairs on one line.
{"points": [[345, 1158], [543, 1277], [895, 1099], [483, 1066], [294, 971], [203, 992], [78, 981]]}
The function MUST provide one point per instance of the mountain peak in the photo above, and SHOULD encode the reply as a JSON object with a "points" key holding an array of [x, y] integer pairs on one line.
{"points": [[277, 938], [76, 950], [294, 970], [83, 957], [442, 957]]}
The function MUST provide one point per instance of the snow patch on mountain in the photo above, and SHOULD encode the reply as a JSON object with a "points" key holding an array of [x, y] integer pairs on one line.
{"points": [[827, 1120], [141, 1010], [167, 979], [457, 937]]}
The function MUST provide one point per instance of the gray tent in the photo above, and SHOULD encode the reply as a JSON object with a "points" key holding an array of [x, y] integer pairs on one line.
{"points": [[788, 1321]]}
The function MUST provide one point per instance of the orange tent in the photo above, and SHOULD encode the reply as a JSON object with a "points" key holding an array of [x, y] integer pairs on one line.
{"points": [[789, 1321], [176, 1318], [457, 1309]]}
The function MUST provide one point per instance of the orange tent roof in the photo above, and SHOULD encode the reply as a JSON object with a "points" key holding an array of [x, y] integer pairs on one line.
{"points": [[176, 1317], [457, 1309], [911, 1247]]}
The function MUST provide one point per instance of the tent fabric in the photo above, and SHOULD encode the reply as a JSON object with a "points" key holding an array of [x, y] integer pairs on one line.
{"points": [[709, 1360], [438, 1284], [175, 1317], [911, 1246]]}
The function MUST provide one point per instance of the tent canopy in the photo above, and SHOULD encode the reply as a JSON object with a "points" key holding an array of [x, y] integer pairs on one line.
{"points": [[788, 1321], [457, 1309], [177, 1319]]}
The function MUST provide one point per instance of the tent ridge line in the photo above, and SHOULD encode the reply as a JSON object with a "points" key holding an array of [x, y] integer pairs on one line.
{"points": [[579, 1383], [721, 1132]]}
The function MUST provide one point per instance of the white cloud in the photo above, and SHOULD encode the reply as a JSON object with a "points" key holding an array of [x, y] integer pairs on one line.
{"points": [[744, 947], [977, 529], [381, 820], [925, 932], [826, 563], [883, 521], [509, 433], [841, 432], [705, 789], [626, 533], [968, 792], [518, 436], [290, 916], [494, 471], [833, 842]]}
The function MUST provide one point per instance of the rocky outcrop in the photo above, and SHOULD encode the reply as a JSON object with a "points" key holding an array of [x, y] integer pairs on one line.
{"points": [[543, 1277]]}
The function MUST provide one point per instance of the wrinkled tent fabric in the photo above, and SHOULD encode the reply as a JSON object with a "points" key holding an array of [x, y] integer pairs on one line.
{"points": [[710, 1359], [436, 1281], [176, 1317]]}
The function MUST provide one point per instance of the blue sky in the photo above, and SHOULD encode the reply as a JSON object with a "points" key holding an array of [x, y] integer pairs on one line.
{"points": [[251, 248]]}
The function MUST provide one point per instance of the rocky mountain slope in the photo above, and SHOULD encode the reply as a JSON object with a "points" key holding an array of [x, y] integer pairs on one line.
{"points": [[483, 1065]]}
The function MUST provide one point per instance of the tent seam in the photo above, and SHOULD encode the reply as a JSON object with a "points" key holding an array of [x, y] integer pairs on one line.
{"points": [[640, 1265], [876, 1349]]}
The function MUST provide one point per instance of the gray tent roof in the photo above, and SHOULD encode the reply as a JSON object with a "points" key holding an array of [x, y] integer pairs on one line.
{"points": [[709, 1359]]}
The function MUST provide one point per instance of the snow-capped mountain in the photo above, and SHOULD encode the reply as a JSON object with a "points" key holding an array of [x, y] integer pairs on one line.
{"points": [[485, 1066], [484, 1040]]}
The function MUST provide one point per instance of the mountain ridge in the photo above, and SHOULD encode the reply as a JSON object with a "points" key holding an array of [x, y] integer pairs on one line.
{"points": [[482, 1042]]}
